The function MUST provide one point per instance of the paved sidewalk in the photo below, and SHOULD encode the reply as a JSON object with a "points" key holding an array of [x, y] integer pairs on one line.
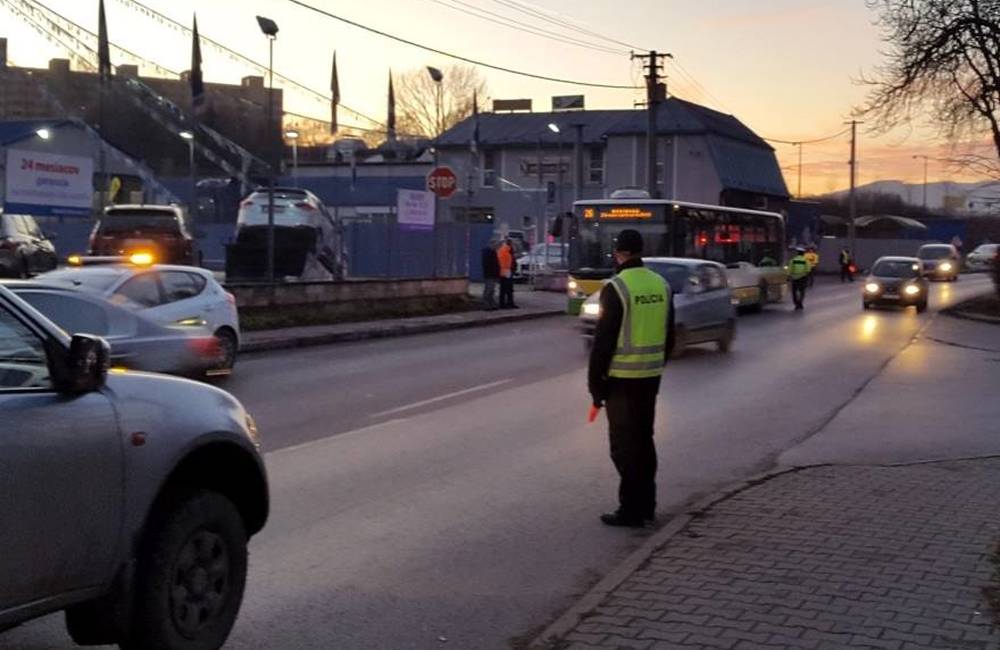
{"points": [[825, 557], [533, 304]]}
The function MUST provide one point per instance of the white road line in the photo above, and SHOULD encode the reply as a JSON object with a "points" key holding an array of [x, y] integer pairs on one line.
{"points": [[310, 443], [441, 398]]}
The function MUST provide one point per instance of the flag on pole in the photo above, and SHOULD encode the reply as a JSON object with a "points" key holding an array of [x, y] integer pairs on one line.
{"points": [[334, 95], [474, 143], [197, 82], [103, 49], [391, 120]]}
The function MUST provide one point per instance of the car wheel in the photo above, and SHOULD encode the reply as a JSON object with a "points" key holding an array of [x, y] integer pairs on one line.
{"points": [[761, 297], [921, 307], [680, 342], [865, 304], [726, 342], [191, 574], [25, 271], [228, 348]]}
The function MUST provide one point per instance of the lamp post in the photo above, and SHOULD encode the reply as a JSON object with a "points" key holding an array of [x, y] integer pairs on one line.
{"points": [[189, 137], [270, 30], [293, 135], [926, 158], [437, 77], [559, 182]]}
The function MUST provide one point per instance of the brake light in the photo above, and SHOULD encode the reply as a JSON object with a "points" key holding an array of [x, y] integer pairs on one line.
{"points": [[206, 346], [305, 206], [230, 298]]}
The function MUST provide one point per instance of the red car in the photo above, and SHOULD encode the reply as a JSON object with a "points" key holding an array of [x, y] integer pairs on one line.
{"points": [[157, 229]]}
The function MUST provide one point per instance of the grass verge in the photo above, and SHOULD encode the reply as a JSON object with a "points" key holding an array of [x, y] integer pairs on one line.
{"points": [[353, 312]]}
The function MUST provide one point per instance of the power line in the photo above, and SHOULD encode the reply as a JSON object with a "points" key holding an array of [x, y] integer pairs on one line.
{"points": [[814, 141], [565, 24], [511, 23], [457, 57], [260, 66]]}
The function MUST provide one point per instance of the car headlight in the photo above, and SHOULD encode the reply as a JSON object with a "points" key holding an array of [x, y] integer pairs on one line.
{"points": [[253, 432], [911, 290], [945, 266], [572, 285], [592, 309], [872, 287]]}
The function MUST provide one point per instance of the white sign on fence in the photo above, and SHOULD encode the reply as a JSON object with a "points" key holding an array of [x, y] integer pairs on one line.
{"points": [[49, 184], [415, 209]]}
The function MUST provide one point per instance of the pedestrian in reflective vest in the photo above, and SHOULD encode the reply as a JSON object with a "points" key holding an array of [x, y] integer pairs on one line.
{"points": [[798, 273], [633, 338], [813, 258]]}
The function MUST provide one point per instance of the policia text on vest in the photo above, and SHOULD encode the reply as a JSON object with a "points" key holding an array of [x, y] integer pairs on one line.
{"points": [[633, 338]]}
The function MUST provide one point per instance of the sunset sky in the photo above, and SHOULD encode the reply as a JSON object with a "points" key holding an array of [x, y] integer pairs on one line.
{"points": [[787, 68]]}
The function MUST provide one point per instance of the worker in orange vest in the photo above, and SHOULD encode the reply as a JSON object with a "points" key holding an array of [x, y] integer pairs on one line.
{"points": [[505, 255]]}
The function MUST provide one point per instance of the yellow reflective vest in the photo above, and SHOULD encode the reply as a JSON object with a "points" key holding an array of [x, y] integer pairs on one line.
{"points": [[798, 267], [645, 298]]}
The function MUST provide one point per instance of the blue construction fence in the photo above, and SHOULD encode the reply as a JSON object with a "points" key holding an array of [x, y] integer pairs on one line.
{"points": [[373, 249]]}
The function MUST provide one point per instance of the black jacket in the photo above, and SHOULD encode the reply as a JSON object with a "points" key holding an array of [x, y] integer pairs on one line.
{"points": [[606, 338], [491, 265]]}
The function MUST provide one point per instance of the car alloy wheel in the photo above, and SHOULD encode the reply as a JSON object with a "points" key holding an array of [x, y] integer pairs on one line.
{"points": [[200, 582]]}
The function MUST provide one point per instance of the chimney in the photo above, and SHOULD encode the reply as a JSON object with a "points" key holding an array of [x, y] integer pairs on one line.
{"points": [[3, 53]]}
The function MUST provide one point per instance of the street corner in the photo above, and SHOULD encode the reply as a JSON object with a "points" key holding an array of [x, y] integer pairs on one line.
{"points": [[821, 557]]}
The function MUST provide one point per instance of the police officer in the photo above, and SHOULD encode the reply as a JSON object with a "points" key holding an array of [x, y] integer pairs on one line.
{"points": [[798, 273], [633, 338]]}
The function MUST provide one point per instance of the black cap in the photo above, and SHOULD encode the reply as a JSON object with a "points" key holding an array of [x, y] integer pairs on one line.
{"points": [[629, 241]]}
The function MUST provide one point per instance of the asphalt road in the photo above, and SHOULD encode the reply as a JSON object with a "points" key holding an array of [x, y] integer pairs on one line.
{"points": [[443, 490]]}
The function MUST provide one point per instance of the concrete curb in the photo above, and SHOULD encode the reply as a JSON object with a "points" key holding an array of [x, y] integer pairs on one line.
{"points": [[391, 329], [559, 628], [956, 311]]}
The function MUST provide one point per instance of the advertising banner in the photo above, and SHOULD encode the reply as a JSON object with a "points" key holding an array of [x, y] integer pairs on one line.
{"points": [[46, 184], [415, 210]]}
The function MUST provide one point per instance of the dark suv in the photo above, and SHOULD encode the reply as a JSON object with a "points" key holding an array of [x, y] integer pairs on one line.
{"points": [[24, 249], [157, 229]]}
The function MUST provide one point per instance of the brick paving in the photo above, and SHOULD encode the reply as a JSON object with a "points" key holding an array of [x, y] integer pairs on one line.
{"points": [[827, 557]]}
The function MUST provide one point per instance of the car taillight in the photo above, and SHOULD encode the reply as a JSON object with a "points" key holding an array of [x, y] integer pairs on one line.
{"points": [[206, 346], [308, 207], [8, 245], [230, 298], [247, 203]]}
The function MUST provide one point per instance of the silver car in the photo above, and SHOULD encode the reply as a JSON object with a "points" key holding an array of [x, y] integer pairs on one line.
{"points": [[127, 498], [703, 304], [982, 258], [137, 343]]}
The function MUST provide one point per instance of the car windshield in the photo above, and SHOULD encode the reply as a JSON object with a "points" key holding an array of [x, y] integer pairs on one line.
{"points": [[123, 221], [896, 269], [94, 279], [934, 252], [675, 274]]}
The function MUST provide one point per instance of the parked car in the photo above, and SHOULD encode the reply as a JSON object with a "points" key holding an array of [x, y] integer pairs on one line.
{"points": [[542, 257], [981, 259], [308, 241], [160, 230], [128, 497], [137, 343], [940, 261], [24, 249], [704, 305], [754, 286], [166, 294], [896, 281]]}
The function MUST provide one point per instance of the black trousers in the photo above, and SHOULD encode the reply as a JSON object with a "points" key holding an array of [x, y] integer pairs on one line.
{"points": [[845, 273], [631, 409], [506, 292], [799, 290]]}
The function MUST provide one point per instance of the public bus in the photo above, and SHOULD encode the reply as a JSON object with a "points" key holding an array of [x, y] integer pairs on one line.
{"points": [[750, 243]]}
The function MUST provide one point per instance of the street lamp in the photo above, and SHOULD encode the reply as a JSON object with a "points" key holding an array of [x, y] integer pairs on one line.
{"points": [[554, 127], [270, 30], [293, 135], [437, 77], [926, 158], [189, 137], [43, 133]]}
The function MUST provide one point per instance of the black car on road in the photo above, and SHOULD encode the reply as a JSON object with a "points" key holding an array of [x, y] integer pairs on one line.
{"points": [[897, 281]]}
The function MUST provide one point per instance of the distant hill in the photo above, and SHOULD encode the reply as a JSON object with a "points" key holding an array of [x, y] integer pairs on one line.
{"points": [[939, 195]]}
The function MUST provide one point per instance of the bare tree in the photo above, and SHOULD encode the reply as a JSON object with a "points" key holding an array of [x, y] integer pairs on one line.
{"points": [[942, 63], [417, 96]]}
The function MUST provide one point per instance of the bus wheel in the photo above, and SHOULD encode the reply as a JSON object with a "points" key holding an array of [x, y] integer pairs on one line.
{"points": [[761, 297]]}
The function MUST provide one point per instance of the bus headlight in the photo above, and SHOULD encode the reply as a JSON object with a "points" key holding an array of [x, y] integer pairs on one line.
{"points": [[592, 309], [911, 290], [872, 287]]}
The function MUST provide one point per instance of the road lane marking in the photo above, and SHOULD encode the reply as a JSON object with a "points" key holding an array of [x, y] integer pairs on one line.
{"points": [[310, 443], [441, 398]]}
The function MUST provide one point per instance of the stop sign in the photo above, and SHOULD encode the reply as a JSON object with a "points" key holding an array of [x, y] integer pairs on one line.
{"points": [[442, 181]]}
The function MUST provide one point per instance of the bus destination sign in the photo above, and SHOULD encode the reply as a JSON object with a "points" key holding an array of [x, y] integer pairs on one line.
{"points": [[618, 212]]}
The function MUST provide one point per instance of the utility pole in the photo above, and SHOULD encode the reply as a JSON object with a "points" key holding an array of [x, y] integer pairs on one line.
{"points": [[799, 192], [656, 93], [852, 197]]}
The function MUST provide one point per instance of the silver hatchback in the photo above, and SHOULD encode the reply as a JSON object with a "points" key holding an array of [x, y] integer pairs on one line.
{"points": [[704, 311]]}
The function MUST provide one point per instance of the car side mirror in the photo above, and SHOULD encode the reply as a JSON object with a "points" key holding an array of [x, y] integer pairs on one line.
{"points": [[694, 286], [87, 363]]}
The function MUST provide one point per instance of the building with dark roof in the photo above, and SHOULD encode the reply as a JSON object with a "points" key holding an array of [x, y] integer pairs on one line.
{"points": [[523, 168]]}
